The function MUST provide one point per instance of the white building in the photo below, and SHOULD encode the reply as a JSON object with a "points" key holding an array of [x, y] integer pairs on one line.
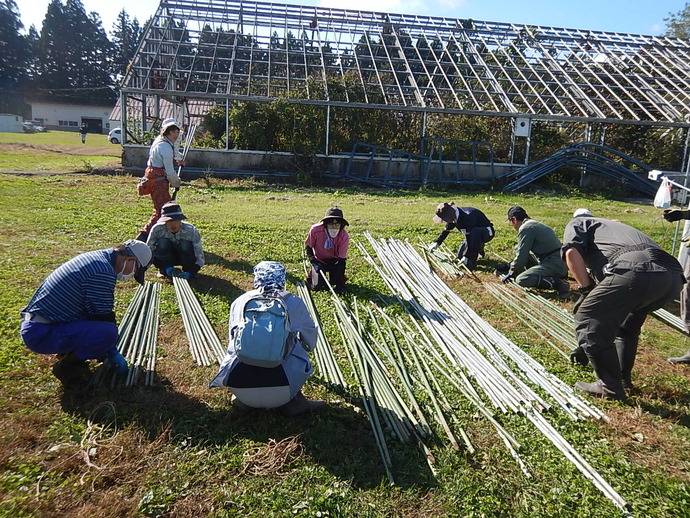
{"points": [[69, 117], [11, 123]]}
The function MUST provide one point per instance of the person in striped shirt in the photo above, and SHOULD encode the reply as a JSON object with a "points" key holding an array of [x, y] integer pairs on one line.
{"points": [[71, 314]]}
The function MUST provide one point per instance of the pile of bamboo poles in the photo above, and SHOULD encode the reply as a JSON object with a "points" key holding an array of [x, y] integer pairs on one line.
{"points": [[482, 352], [138, 335], [204, 344], [669, 318], [324, 359]]}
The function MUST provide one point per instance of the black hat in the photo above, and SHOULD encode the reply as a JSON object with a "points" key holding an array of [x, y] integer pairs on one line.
{"points": [[444, 212], [335, 213], [517, 212], [170, 212]]}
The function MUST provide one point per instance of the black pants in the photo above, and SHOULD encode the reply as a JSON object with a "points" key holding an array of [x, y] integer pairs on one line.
{"points": [[336, 274], [474, 245], [173, 253]]}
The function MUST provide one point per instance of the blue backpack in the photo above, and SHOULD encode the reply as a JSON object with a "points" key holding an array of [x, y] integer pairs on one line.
{"points": [[264, 338]]}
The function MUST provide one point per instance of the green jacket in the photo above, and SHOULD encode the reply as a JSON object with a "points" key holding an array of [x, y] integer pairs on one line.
{"points": [[540, 240]]}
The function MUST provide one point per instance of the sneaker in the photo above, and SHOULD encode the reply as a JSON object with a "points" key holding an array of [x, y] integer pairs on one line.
{"points": [[563, 289], [72, 372], [680, 359]]}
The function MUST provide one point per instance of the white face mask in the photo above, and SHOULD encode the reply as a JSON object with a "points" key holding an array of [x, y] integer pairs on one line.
{"points": [[333, 232], [125, 276]]}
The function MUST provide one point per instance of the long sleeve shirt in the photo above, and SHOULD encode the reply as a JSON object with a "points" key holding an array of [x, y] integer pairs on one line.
{"points": [[318, 241], [79, 289], [536, 238], [187, 232], [468, 218], [161, 155]]}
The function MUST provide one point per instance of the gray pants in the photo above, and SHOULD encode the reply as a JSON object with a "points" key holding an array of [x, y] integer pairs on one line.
{"points": [[618, 306]]}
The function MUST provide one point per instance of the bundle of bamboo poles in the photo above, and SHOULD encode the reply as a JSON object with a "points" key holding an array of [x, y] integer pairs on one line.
{"points": [[204, 344], [669, 318], [480, 350], [325, 361], [138, 334]]}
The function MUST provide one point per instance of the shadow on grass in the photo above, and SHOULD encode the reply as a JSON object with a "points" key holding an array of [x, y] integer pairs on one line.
{"points": [[338, 438]]}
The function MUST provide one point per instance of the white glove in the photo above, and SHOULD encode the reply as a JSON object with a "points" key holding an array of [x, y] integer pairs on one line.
{"points": [[175, 181], [433, 246]]}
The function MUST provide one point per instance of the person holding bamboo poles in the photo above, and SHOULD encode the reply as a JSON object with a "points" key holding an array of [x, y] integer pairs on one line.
{"points": [[160, 171]]}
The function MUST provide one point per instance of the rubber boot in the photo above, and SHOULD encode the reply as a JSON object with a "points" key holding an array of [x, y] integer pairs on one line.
{"points": [[72, 372], [627, 351], [554, 283], [681, 359], [299, 405], [607, 368]]}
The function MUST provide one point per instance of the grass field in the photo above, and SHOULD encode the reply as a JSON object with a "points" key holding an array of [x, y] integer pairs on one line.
{"points": [[179, 449]]}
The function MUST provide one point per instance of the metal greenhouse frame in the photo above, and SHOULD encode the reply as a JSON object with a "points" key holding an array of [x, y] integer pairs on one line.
{"points": [[226, 50]]}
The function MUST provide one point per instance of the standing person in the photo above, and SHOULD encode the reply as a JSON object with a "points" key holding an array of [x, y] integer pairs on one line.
{"points": [[71, 314], [537, 262], [175, 242], [676, 215], [629, 276], [82, 133], [473, 224], [160, 169], [277, 387], [326, 245]]}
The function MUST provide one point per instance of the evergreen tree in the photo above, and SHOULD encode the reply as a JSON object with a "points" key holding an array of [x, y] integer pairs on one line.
{"points": [[15, 50], [74, 55], [125, 38]]}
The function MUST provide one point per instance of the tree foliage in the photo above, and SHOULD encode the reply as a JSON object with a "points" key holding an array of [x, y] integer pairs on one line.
{"points": [[678, 24]]}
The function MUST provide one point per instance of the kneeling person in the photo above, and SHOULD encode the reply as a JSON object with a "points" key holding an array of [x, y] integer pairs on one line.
{"points": [[326, 247], [270, 387], [537, 262], [175, 242]]}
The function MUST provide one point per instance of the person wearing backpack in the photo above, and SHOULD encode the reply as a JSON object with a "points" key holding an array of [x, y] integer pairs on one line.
{"points": [[326, 247], [271, 332]]}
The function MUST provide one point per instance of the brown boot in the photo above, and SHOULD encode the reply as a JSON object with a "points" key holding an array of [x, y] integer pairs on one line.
{"points": [[299, 405], [72, 372]]}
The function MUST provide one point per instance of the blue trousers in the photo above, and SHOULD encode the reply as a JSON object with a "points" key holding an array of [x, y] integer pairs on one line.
{"points": [[87, 339]]}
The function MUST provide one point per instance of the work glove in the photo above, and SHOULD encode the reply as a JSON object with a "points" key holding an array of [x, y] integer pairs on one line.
{"points": [[676, 214], [506, 278], [171, 271], [579, 357], [118, 361], [433, 246], [185, 275], [502, 270], [583, 295], [175, 181]]}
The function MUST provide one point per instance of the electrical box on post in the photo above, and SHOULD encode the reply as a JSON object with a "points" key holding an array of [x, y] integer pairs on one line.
{"points": [[522, 126]]}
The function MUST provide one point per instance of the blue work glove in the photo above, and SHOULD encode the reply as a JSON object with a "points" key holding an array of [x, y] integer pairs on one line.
{"points": [[171, 271], [185, 275], [118, 361], [506, 277]]}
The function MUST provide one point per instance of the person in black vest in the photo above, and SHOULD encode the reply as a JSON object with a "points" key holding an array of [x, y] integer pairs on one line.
{"points": [[473, 224]]}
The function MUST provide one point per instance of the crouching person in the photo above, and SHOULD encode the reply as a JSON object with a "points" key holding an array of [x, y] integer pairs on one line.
{"points": [[271, 331], [71, 314], [326, 247], [175, 243]]}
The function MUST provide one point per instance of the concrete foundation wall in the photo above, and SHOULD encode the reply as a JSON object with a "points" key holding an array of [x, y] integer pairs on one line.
{"points": [[266, 162]]}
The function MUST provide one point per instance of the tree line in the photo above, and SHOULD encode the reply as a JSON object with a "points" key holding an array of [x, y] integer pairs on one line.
{"points": [[70, 59]]}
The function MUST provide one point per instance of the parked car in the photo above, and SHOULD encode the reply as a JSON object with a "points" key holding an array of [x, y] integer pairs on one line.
{"points": [[115, 136], [32, 127]]}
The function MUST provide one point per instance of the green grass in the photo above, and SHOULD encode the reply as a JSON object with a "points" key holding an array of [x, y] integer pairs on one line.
{"points": [[179, 448]]}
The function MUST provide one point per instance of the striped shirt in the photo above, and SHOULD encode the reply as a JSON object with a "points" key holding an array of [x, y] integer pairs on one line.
{"points": [[82, 287]]}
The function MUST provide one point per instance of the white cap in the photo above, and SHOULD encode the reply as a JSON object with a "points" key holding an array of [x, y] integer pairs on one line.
{"points": [[143, 255], [169, 122], [582, 212]]}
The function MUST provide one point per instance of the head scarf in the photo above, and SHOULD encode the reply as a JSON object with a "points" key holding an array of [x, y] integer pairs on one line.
{"points": [[269, 276]]}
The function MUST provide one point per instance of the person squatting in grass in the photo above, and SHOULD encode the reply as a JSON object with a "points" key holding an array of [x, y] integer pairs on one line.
{"points": [[474, 225], [71, 314], [622, 276], [673, 215], [175, 242], [537, 262], [278, 387], [326, 246], [160, 169]]}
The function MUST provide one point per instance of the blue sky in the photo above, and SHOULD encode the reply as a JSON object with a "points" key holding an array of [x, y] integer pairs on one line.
{"points": [[623, 16]]}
